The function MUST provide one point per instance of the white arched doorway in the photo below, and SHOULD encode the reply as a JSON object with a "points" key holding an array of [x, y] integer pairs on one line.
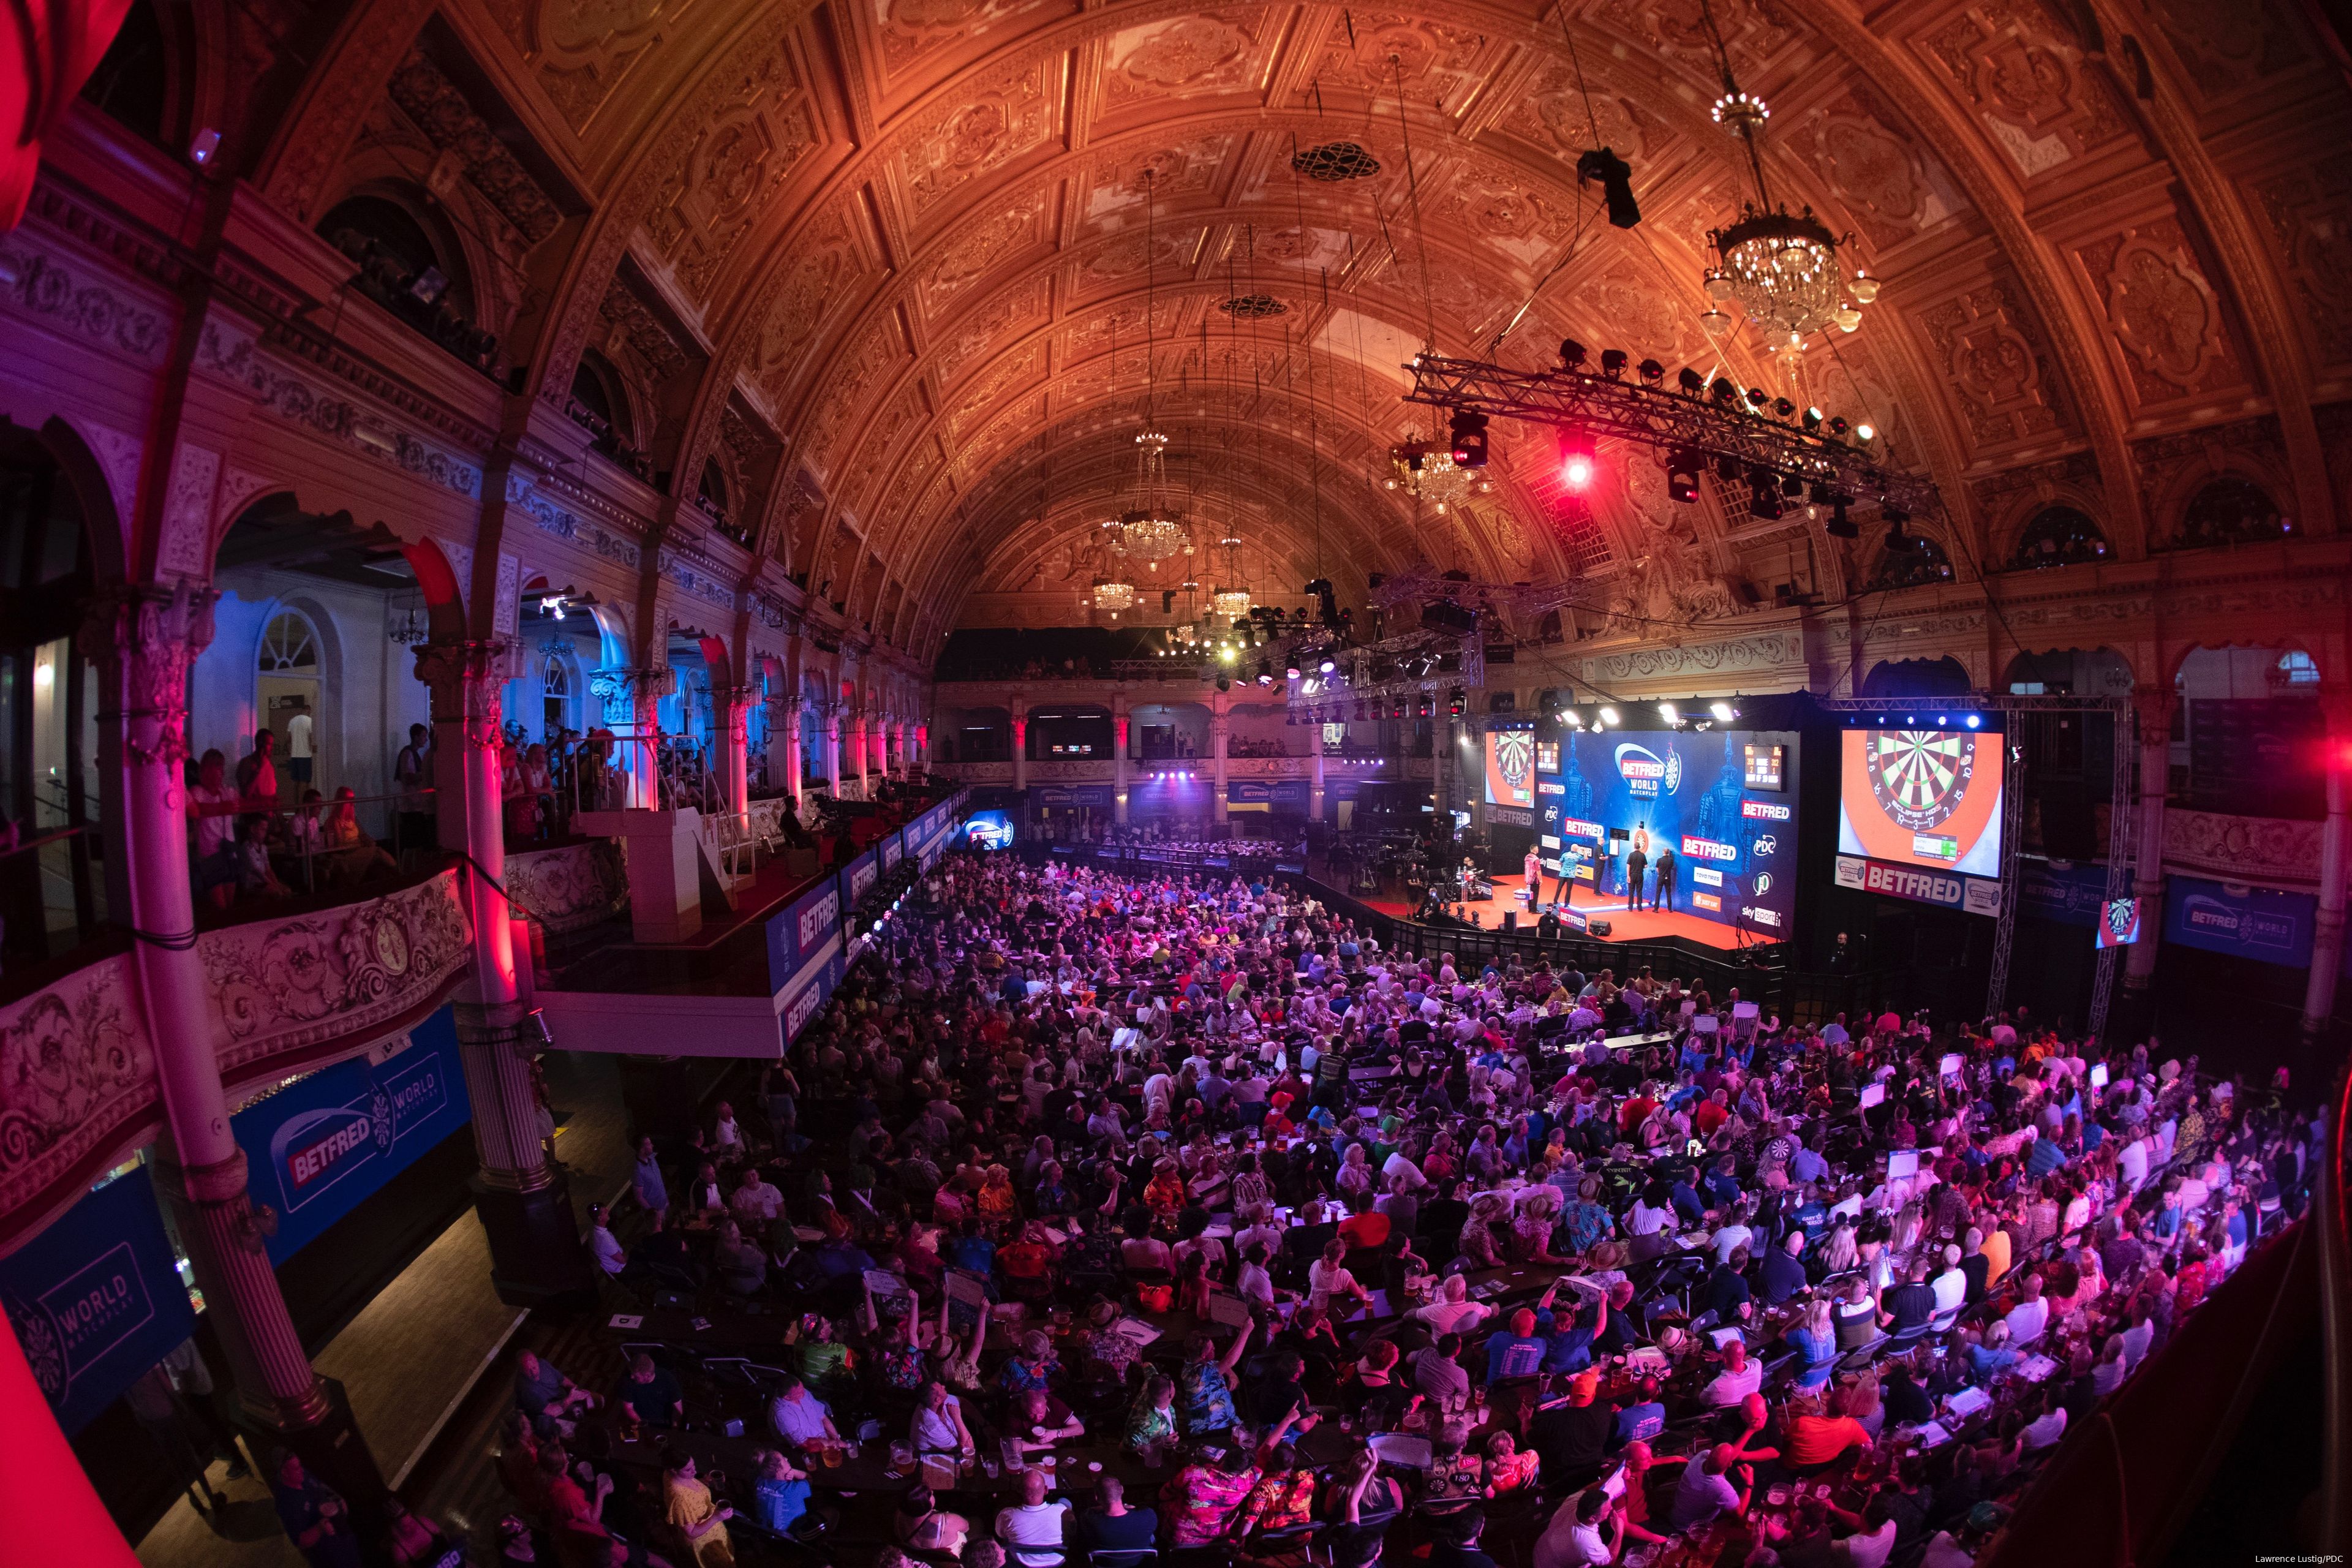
{"points": [[288, 676]]}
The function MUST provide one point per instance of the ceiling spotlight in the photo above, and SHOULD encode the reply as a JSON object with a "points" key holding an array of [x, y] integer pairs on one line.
{"points": [[1608, 715], [1792, 488], [1667, 711], [1723, 391], [1865, 433], [1681, 477], [1726, 468], [1973, 721], [1570, 718], [1326, 667], [1612, 363], [1840, 526], [1724, 711], [1691, 382], [1616, 178], [1293, 672], [1763, 493], [1894, 514], [1651, 372], [1572, 354], [1782, 408], [1575, 458], [1758, 398]]}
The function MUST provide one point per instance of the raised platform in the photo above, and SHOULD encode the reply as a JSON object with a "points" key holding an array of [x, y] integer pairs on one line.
{"points": [[1625, 924]]}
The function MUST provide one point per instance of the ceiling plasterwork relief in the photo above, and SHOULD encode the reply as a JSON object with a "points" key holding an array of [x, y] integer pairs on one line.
{"points": [[633, 332], [2028, 83], [2169, 467], [1753, 30], [1882, 175], [912, 31], [1209, 54], [1025, 366], [874, 357], [764, 125], [1991, 345], [2224, 49], [1017, 225], [1005, 118], [1504, 211], [2171, 326], [581, 50], [826, 266], [1252, 251], [1020, 308], [1435, 62], [1180, 170], [1119, 262], [1551, 113], [2308, 209], [440, 111]]}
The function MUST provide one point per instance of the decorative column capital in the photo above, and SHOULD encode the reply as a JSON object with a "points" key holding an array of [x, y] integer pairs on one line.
{"points": [[621, 689], [152, 635], [466, 680]]}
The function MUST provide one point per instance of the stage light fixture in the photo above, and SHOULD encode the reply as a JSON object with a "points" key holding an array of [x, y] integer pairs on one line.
{"points": [[1812, 420], [1293, 672], [1572, 354], [1608, 715], [1840, 526], [1723, 391], [1758, 398], [1326, 667], [1865, 433], [1616, 178], [1575, 458], [1894, 514], [1792, 488], [1681, 477], [1572, 721], [1690, 381], [1726, 468], [1306, 687], [1666, 711], [1763, 493], [1973, 721], [1782, 409], [1898, 543], [1651, 372], [1724, 711], [1467, 433], [1612, 363]]}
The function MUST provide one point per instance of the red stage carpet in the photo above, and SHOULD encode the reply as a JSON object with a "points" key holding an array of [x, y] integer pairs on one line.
{"points": [[1625, 924]]}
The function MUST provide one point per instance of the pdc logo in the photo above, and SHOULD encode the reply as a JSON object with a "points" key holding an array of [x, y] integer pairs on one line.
{"points": [[1646, 772], [1765, 845]]}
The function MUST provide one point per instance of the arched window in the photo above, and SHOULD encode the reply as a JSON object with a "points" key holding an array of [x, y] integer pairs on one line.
{"points": [[712, 490], [2059, 536], [1923, 562], [289, 646], [555, 697], [356, 223], [2295, 669], [2230, 510], [593, 395]]}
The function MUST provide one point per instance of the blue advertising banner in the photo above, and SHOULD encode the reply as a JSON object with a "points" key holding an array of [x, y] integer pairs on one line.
{"points": [[2068, 891], [857, 878], [804, 926], [1735, 846], [1070, 795], [805, 1002], [893, 847], [96, 1300], [2252, 922], [314, 1150], [1279, 792]]}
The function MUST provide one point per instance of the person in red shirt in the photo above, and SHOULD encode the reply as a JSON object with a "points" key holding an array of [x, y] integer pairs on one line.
{"points": [[1712, 1113], [1367, 1228], [1635, 1111]]}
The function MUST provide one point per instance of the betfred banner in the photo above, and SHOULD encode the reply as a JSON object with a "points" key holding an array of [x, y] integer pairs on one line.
{"points": [[802, 927], [313, 1151], [96, 1300], [1975, 895], [2067, 891], [806, 1001], [2230, 916]]}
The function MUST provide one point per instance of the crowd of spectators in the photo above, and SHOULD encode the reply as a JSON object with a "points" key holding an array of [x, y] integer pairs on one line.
{"points": [[1272, 1234]]}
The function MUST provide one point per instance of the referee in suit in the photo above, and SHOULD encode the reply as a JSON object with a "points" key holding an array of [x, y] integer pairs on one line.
{"points": [[1666, 894]]}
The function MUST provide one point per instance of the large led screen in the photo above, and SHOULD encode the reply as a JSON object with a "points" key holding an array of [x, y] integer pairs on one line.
{"points": [[1922, 798], [1735, 847], [1511, 767]]}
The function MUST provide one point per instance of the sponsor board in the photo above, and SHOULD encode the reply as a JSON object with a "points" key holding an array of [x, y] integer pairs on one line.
{"points": [[1576, 827], [1707, 876], [1975, 895], [1708, 901], [1697, 848], [1762, 914], [1765, 811]]}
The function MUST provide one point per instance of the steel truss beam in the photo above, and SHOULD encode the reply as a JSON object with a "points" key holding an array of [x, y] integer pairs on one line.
{"points": [[1667, 421]]}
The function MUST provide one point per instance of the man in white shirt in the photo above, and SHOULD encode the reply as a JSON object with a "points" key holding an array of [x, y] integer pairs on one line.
{"points": [[1584, 1532], [799, 1417], [1452, 1312], [726, 1136], [2131, 1164], [2028, 1317], [1036, 1525], [1951, 1287], [298, 746], [604, 1243], [755, 1200], [1739, 1377]]}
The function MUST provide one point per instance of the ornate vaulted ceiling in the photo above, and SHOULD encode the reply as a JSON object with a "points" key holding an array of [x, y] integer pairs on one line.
{"points": [[909, 244]]}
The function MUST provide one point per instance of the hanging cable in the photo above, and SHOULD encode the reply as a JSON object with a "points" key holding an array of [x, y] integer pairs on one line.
{"points": [[1421, 234]]}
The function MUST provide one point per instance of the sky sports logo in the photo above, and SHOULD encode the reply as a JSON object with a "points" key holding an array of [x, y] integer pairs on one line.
{"points": [[1760, 915], [1763, 811]]}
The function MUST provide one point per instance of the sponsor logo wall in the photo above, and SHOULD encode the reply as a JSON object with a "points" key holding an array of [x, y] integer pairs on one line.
{"points": [[1687, 790], [1975, 895], [317, 1149], [2252, 922], [801, 931], [95, 1299]]}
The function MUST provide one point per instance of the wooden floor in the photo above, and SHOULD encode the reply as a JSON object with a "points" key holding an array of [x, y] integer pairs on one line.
{"points": [[428, 1363]]}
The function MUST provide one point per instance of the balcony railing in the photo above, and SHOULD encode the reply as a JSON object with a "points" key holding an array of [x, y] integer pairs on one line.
{"points": [[286, 993]]}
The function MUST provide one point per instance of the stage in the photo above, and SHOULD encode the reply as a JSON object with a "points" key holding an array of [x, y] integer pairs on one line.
{"points": [[1625, 924]]}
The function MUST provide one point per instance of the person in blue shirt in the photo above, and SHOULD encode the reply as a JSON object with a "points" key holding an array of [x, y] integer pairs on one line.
{"points": [[1686, 1201], [1514, 1352], [781, 1493], [2044, 1158], [1645, 1418], [1567, 1342]]}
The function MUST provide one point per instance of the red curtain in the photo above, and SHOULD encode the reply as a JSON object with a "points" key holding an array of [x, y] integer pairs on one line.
{"points": [[48, 52]]}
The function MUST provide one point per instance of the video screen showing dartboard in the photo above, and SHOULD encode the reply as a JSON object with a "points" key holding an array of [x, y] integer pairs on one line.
{"points": [[1922, 798]]}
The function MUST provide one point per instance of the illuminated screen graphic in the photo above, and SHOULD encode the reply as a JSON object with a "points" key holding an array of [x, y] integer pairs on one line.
{"points": [[1922, 798], [1511, 767], [988, 831]]}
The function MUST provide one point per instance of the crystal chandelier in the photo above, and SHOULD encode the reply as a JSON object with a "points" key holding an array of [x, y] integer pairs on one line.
{"points": [[1780, 266], [1430, 472], [1113, 595], [1150, 533], [1231, 597]]}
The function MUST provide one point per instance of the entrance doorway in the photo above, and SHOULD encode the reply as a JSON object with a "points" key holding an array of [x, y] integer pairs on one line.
{"points": [[288, 699]]}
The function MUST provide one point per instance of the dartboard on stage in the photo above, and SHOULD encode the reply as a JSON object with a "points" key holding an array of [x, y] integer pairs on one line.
{"points": [[1919, 775]]}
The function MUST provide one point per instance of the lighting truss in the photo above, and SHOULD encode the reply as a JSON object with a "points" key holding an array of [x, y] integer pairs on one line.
{"points": [[1667, 420]]}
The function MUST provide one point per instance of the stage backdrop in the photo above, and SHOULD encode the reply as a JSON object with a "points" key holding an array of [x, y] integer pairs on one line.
{"points": [[1709, 795]]}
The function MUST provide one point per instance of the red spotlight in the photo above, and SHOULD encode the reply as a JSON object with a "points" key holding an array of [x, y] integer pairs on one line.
{"points": [[1576, 458]]}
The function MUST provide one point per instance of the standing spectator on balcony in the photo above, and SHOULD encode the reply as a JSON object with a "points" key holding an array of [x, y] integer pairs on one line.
{"points": [[298, 746], [256, 775], [540, 785], [211, 808], [412, 771]]}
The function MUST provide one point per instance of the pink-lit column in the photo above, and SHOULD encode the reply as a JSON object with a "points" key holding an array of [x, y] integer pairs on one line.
{"points": [[784, 744], [857, 748], [536, 1254], [1121, 769], [733, 709], [831, 757], [2328, 931], [1315, 772], [1020, 752], [2154, 710], [630, 699], [144, 639]]}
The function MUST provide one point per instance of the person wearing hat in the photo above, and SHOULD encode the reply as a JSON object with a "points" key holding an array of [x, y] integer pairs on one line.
{"points": [[1570, 1435]]}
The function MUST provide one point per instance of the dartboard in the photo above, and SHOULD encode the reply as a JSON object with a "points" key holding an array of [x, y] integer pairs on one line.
{"points": [[1515, 753], [1919, 775]]}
